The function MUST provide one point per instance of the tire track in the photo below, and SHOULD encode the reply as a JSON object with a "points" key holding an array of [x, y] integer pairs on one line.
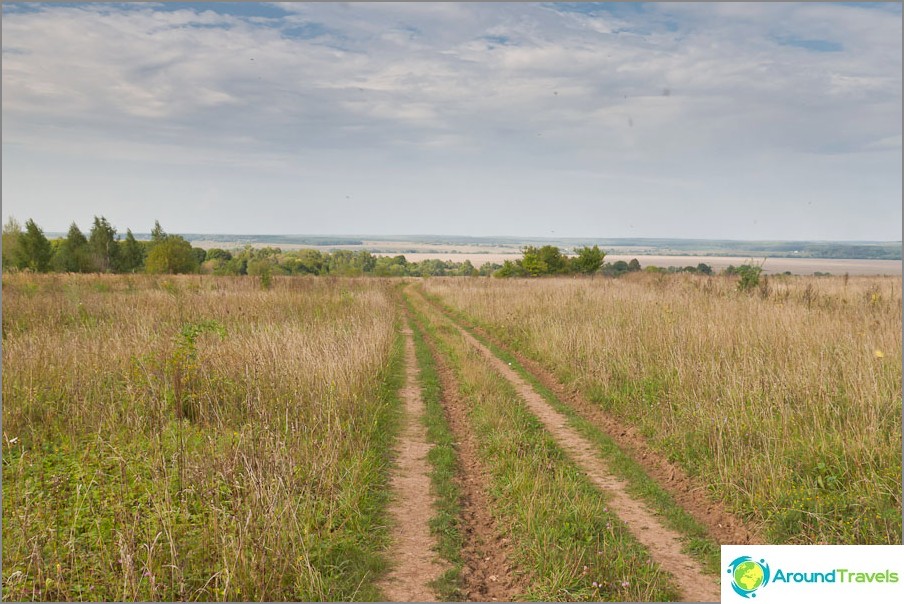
{"points": [[412, 549], [663, 543], [487, 574], [724, 526]]}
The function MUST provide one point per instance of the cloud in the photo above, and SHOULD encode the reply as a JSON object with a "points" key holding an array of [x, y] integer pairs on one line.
{"points": [[489, 90]]}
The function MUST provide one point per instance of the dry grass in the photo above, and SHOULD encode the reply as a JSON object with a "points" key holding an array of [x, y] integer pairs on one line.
{"points": [[108, 495], [786, 401]]}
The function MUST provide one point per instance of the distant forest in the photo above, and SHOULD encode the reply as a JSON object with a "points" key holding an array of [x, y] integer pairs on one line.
{"points": [[103, 250]]}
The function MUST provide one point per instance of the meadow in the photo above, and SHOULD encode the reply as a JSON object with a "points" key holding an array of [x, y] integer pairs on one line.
{"points": [[787, 400], [202, 437], [164, 437]]}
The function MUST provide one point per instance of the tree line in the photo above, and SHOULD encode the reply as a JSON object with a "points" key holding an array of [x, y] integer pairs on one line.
{"points": [[103, 250]]}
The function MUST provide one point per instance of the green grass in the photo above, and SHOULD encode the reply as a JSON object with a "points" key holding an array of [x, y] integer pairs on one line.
{"points": [[697, 542], [562, 533], [108, 496]]}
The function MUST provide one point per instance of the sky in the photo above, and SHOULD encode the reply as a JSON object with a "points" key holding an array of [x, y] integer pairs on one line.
{"points": [[727, 120]]}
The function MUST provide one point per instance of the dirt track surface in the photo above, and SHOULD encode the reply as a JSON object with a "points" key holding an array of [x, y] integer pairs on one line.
{"points": [[487, 573], [663, 543], [416, 564], [690, 494]]}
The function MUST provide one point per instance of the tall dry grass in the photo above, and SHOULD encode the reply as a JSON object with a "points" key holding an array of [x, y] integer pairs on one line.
{"points": [[270, 485], [786, 400]]}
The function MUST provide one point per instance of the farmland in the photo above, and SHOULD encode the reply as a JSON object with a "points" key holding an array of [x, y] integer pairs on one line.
{"points": [[204, 437]]}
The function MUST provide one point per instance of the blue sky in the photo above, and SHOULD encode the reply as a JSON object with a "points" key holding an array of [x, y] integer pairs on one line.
{"points": [[734, 120]]}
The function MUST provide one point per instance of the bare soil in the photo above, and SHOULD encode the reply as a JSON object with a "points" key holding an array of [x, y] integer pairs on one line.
{"points": [[664, 544], [488, 574], [416, 564]]}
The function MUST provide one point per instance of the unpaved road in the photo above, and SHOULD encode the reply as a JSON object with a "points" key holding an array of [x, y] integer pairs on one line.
{"points": [[412, 507], [488, 574], [663, 543]]}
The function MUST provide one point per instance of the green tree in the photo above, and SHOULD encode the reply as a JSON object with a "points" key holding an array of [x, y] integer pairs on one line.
{"points": [[13, 257], [588, 261], [171, 255], [511, 269], [131, 254], [546, 260], [633, 265], [157, 233], [73, 255], [749, 276], [35, 248], [104, 246]]}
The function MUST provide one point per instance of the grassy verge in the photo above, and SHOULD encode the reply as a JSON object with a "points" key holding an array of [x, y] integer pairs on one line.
{"points": [[560, 528], [698, 543]]}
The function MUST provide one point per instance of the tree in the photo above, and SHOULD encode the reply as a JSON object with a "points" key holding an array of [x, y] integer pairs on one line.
{"points": [[547, 260], [12, 248], [73, 254], [171, 255], [104, 246], [750, 276], [157, 233], [131, 254], [588, 261], [35, 248], [633, 265], [704, 269], [511, 269]]}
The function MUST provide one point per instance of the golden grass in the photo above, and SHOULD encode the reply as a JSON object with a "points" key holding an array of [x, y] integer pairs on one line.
{"points": [[786, 401], [271, 486]]}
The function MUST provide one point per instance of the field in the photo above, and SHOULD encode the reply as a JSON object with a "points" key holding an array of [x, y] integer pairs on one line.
{"points": [[797, 266], [234, 438]]}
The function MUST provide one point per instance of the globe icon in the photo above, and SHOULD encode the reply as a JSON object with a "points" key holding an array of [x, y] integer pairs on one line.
{"points": [[748, 575]]}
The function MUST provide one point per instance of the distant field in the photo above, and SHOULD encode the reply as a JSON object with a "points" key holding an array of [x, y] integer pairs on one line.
{"points": [[798, 266]]}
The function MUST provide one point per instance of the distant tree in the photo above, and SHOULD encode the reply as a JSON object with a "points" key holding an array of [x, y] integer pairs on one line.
{"points": [[466, 269], [36, 250], [394, 266], [171, 255], [633, 265], [750, 276], [704, 269], [103, 244], [200, 254], [157, 233], [131, 254], [488, 268], [73, 255], [13, 257], [511, 269], [532, 263], [216, 253], [588, 261], [546, 260]]}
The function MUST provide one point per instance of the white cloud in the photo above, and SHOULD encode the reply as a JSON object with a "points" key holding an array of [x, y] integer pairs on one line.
{"points": [[654, 94]]}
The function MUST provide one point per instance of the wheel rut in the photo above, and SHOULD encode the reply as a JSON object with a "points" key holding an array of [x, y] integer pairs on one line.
{"points": [[416, 565], [488, 574], [663, 543], [689, 493]]}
